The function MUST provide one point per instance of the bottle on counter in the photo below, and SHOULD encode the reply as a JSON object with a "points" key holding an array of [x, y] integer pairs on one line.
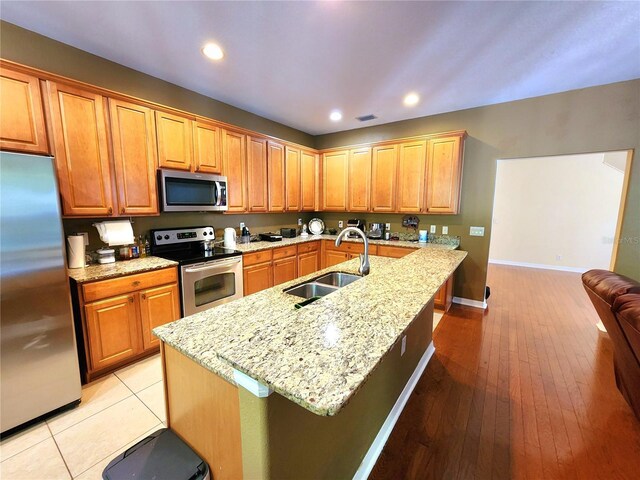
{"points": [[147, 246], [125, 252], [141, 247], [135, 250]]}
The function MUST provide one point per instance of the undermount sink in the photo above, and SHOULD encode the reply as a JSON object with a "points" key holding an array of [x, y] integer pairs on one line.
{"points": [[323, 285], [338, 279]]}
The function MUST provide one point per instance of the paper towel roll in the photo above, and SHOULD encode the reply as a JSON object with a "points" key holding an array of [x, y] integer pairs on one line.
{"points": [[117, 232], [75, 244]]}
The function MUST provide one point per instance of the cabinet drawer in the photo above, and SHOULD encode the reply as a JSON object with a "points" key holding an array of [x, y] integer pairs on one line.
{"points": [[257, 257], [308, 247], [393, 252], [284, 252], [130, 283]]}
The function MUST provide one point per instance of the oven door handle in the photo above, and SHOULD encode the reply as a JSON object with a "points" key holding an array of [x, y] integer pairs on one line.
{"points": [[222, 263]]}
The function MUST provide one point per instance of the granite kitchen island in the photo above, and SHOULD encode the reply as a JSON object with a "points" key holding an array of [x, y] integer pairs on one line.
{"points": [[261, 389]]}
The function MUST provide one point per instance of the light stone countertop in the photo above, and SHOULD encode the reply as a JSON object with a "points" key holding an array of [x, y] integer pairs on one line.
{"points": [[320, 355], [120, 268], [258, 246]]}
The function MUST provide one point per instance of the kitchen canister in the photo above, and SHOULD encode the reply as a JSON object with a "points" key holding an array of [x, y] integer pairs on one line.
{"points": [[75, 251], [422, 237]]}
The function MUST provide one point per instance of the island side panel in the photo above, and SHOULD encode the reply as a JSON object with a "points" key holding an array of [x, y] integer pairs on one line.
{"points": [[204, 410], [296, 443]]}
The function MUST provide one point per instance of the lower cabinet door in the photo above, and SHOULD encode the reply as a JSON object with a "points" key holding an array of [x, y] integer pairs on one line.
{"points": [[158, 306], [257, 277], [332, 257], [284, 269], [308, 262], [112, 326]]}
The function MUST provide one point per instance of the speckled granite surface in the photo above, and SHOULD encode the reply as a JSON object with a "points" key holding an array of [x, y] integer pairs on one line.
{"points": [[118, 269], [320, 355], [451, 244]]}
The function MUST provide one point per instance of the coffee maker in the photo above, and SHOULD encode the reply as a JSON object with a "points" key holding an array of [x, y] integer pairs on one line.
{"points": [[357, 223], [376, 231]]}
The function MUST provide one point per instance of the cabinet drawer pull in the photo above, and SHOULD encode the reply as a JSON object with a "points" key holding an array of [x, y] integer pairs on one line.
{"points": [[135, 283]]}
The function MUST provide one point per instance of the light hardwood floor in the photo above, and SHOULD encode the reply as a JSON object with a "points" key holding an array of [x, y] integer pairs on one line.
{"points": [[522, 390]]}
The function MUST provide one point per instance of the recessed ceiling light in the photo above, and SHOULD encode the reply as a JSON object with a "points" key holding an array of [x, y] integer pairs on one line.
{"points": [[335, 116], [213, 51], [411, 99]]}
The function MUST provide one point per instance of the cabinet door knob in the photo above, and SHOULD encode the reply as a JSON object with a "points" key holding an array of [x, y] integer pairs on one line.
{"points": [[130, 299], [144, 296], [122, 211], [110, 211]]}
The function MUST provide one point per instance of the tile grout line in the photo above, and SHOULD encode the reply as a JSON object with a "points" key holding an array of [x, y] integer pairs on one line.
{"points": [[59, 451], [25, 449]]}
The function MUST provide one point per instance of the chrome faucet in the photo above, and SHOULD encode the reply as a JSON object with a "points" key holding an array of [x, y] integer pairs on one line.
{"points": [[364, 259]]}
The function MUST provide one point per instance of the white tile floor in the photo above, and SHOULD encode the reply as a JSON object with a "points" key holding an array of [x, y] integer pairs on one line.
{"points": [[116, 412]]}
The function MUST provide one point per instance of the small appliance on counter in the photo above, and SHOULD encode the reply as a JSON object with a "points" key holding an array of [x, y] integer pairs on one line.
{"points": [[357, 223], [106, 255], [288, 232], [230, 237], [376, 231], [270, 237], [245, 237]]}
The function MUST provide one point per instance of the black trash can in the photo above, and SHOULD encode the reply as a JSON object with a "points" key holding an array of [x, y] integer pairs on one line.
{"points": [[160, 456]]}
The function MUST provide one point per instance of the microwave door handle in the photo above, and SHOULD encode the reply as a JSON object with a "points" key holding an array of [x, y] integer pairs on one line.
{"points": [[212, 267], [218, 194]]}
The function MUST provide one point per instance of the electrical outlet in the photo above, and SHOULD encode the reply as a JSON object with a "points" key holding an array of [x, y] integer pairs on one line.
{"points": [[558, 257], [340, 223], [445, 230], [432, 229], [403, 347], [299, 222], [387, 227], [476, 231], [86, 237], [241, 225]]}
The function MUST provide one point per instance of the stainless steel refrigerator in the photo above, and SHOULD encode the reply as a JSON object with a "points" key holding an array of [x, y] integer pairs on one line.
{"points": [[39, 369]]}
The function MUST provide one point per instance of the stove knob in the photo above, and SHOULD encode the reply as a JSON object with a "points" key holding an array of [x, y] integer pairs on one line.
{"points": [[204, 233], [166, 237], [159, 237]]}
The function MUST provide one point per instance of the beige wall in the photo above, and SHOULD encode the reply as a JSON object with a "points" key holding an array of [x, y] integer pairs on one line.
{"points": [[560, 212], [594, 119]]}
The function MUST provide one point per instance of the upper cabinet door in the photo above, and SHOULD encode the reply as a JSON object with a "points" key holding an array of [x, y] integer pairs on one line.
{"points": [[22, 127], [412, 159], [359, 179], [81, 150], [383, 174], [133, 132], [175, 141], [257, 174], [335, 173], [234, 166], [444, 175], [292, 184], [308, 186], [276, 176], [207, 149]]}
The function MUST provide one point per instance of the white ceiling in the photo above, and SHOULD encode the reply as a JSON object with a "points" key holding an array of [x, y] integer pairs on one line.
{"points": [[294, 62]]}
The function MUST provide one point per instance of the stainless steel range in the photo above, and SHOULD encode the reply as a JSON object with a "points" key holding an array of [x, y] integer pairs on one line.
{"points": [[209, 275]]}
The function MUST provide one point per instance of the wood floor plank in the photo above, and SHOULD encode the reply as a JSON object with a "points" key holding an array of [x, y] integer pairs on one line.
{"points": [[524, 389]]}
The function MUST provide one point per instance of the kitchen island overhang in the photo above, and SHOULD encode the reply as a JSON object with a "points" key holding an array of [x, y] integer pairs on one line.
{"points": [[342, 359]]}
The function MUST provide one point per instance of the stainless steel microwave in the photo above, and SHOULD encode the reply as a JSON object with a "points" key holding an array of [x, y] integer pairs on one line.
{"points": [[192, 192]]}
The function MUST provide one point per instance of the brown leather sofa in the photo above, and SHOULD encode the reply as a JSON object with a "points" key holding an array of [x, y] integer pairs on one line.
{"points": [[616, 298]]}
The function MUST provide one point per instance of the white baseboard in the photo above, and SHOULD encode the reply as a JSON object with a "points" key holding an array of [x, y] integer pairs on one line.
{"points": [[370, 459], [469, 303], [540, 265]]}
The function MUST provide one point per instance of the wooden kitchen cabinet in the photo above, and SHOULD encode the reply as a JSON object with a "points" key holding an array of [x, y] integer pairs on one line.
{"points": [[158, 306], [393, 252], [412, 159], [79, 126], [346, 251], [444, 296], [134, 157], [257, 186], [207, 148], [308, 258], [292, 183], [234, 161], [359, 179], [308, 187], [285, 269], [444, 174], [334, 257], [276, 176], [257, 277], [116, 316], [383, 178], [175, 141], [335, 180], [22, 126]]}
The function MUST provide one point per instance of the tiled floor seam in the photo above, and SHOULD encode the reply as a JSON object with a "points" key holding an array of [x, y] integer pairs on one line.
{"points": [[90, 416], [53, 437], [147, 406], [25, 449]]}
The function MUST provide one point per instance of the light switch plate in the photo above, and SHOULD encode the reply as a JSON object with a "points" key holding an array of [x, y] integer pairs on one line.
{"points": [[433, 229], [340, 224], [476, 231], [445, 230], [300, 222], [403, 347], [241, 225], [86, 237]]}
